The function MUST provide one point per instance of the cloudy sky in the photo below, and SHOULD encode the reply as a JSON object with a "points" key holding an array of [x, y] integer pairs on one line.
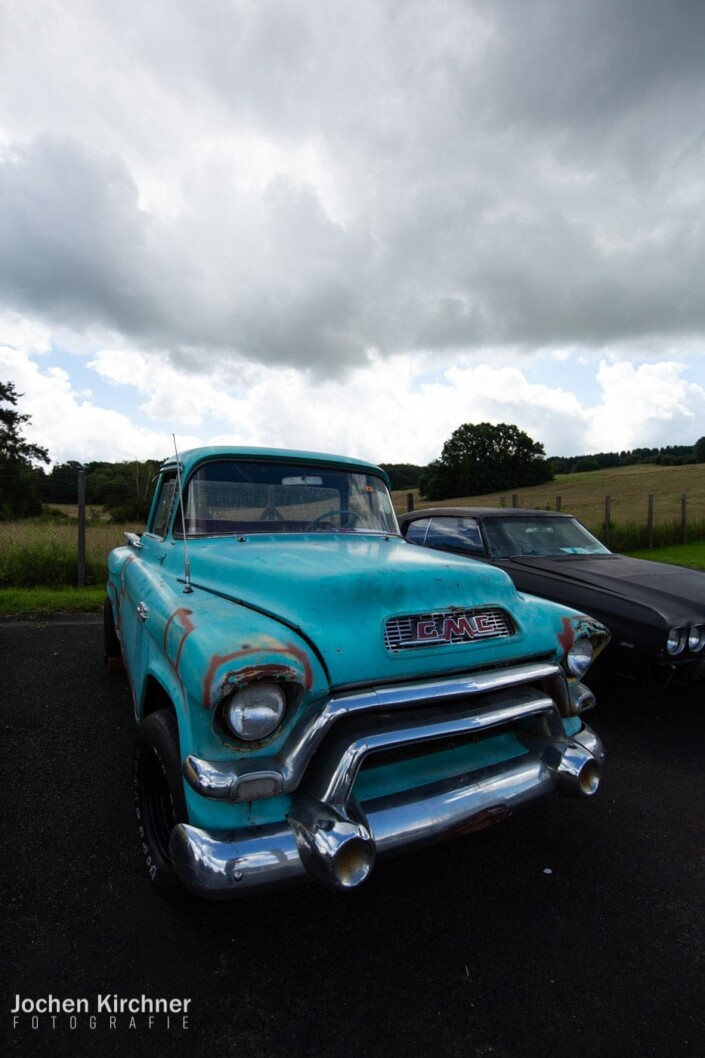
{"points": [[352, 227]]}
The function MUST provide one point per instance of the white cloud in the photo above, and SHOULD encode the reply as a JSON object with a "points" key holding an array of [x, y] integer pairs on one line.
{"points": [[70, 425], [649, 401]]}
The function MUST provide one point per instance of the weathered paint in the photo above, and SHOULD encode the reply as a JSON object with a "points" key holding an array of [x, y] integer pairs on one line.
{"points": [[232, 677], [180, 622]]}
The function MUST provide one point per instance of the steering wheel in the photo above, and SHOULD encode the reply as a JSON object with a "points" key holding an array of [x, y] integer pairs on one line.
{"points": [[331, 514]]}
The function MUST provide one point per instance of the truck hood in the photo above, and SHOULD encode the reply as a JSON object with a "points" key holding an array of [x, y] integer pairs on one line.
{"points": [[340, 590], [672, 591]]}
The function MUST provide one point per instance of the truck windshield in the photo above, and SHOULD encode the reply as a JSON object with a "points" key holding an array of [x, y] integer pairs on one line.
{"points": [[248, 496], [509, 537]]}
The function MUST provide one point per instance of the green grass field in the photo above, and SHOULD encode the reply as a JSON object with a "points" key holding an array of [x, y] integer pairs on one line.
{"points": [[37, 552]]}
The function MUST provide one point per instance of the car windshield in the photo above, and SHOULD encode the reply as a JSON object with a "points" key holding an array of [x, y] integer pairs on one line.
{"points": [[248, 496], [510, 537]]}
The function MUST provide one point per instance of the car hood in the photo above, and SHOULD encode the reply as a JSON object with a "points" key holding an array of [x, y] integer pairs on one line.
{"points": [[340, 590], [671, 590]]}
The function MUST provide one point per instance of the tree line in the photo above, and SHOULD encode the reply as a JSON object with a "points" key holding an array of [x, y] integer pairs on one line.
{"points": [[484, 458], [668, 456], [477, 458]]}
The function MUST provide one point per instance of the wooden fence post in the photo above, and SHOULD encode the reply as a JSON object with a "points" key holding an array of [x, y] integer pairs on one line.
{"points": [[558, 503], [608, 519], [409, 501], [81, 571], [515, 500]]}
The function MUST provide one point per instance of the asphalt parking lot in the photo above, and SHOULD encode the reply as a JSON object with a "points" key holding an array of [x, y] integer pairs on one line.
{"points": [[574, 928]]}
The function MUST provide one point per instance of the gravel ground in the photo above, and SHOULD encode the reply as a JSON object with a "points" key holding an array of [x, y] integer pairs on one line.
{"points": [[575, 927]]}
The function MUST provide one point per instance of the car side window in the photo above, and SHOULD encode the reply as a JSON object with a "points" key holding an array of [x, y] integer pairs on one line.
{"points": [[461, 534], [416, 531]]}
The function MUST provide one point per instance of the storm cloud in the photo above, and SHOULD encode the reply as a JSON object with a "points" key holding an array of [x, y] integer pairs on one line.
{"points": [[317, 186]]}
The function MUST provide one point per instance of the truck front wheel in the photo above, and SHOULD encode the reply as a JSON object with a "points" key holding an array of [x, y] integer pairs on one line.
{"points": [[159, 796]]}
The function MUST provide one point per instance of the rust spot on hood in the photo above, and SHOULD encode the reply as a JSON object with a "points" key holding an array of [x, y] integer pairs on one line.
{"points": [[239, 677]]}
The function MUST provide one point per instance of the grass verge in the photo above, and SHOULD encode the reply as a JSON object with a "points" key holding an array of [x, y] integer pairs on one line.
{"points": [[40, 602], [690, 555]]}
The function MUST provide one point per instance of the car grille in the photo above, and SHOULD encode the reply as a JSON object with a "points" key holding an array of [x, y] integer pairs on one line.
{"points": [[446, 627]]}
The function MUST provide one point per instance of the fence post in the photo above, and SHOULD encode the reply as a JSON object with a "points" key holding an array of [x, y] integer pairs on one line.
{"points": [[81, 573], [558, 503], [515, 500], [409, 501], [608, 519], [650, 520], [684, 522]]}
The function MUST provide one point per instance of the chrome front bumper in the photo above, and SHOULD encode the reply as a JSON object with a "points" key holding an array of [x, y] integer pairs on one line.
{"points": [[333, 838]]}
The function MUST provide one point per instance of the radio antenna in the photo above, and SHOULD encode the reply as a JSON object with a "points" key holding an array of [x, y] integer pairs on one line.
{"points": [[187, 564]]}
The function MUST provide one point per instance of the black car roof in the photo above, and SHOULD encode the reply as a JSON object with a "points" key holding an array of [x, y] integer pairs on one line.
{"points": [[480, 512]]}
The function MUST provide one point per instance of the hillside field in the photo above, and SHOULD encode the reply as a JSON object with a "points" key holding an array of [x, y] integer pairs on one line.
{"points": [[584, 495]]}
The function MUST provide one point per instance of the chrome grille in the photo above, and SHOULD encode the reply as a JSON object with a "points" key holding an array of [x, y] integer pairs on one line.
{"points": [[446, 627]]}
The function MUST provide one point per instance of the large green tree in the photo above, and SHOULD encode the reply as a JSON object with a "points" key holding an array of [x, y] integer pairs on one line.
{"points": [[483, 457], [19, 477], [699, 450]]}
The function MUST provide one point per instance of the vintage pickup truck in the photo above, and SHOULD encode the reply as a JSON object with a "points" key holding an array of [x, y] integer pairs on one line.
{"points": [[313, 692]]}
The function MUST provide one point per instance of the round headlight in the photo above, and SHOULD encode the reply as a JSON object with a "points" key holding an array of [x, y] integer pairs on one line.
{"points": [[579, 657], [676, 640], [696, 638], [255, 711]]}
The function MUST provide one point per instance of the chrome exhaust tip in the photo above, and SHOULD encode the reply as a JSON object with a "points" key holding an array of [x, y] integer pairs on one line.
{"points": [[353, 863], [336, 849], [578, 774]]}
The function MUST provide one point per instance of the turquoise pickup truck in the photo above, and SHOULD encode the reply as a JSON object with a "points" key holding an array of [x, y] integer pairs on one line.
{"points": [[313, 693]]}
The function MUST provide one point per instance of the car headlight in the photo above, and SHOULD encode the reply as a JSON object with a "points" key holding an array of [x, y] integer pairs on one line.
{"points": [[255, 711], [579, 657], [676, 640], [696, 638]]}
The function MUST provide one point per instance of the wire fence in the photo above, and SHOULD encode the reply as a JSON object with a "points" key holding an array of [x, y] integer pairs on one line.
{"points": [[67, 546], [659, 521]]}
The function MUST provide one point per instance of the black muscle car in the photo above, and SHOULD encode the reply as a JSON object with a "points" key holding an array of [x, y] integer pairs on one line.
{"points": [[655, 612]]}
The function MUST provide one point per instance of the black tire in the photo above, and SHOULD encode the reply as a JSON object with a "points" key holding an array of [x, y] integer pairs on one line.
{"points": [[111, 643], [159, 796]]}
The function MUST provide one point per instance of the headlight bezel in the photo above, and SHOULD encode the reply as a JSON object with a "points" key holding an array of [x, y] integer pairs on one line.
{"points": [[695, 646], [579, 657], [676, 640], [254, 712]]}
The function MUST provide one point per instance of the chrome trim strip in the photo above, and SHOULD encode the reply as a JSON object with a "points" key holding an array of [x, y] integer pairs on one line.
{"points": [[222, 779]]}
